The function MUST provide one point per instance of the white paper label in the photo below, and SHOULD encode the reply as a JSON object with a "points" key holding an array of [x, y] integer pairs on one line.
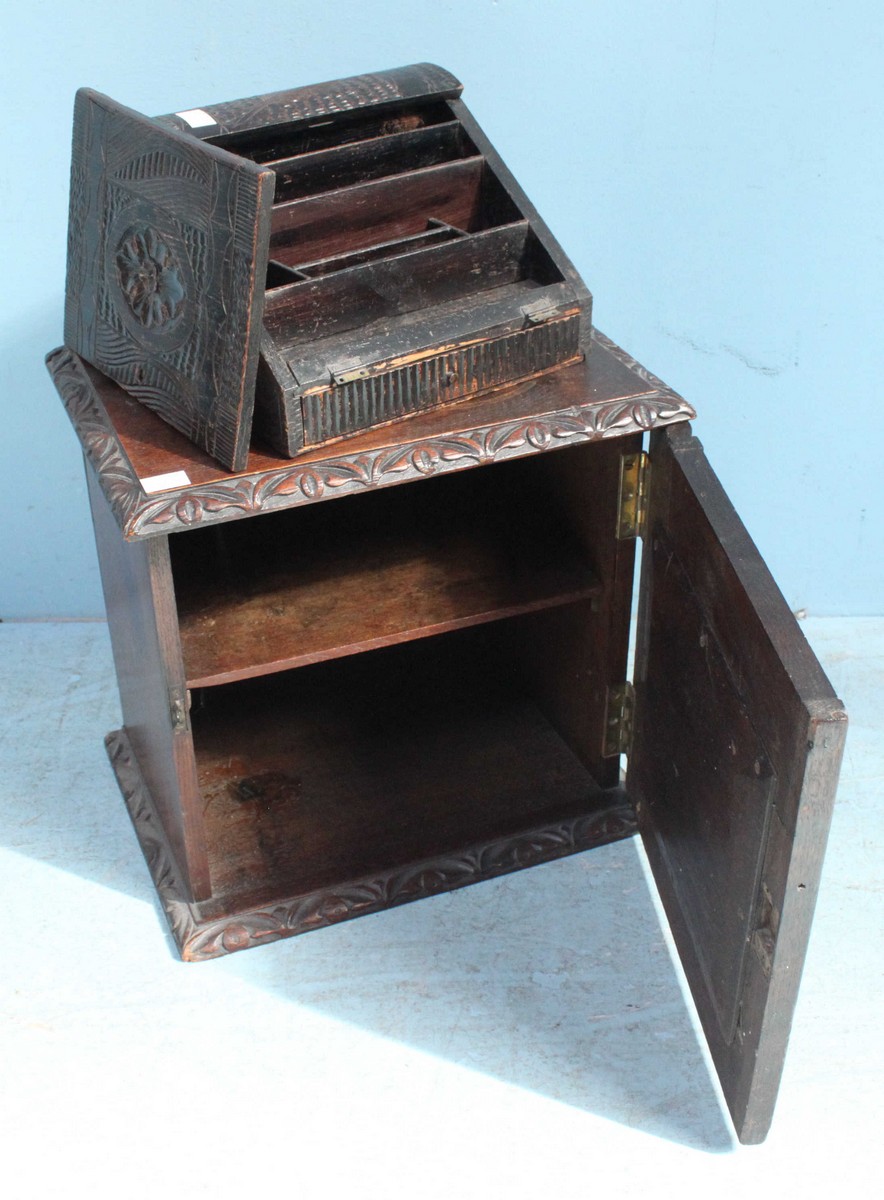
{"points": [[197, 118], [165, 483]]}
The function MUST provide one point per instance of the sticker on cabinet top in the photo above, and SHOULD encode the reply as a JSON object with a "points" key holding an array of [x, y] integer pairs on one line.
{"points": [[197, 118], [165, 483]]}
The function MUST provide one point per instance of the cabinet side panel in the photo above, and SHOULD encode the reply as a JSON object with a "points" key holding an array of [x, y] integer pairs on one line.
{"points": [[538, 225], [573, 654], [137, 582]]}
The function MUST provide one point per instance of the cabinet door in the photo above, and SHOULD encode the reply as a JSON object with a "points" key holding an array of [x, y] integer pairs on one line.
{"points": [[167, 250], [737, 744]]}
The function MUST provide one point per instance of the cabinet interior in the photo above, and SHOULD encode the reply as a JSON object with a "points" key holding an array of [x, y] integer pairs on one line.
{"points": [[349, 768], [354, 574], [397, 674]]}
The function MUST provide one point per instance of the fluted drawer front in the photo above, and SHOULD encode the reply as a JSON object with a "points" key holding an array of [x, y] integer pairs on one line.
{"points": [[440, 379]]}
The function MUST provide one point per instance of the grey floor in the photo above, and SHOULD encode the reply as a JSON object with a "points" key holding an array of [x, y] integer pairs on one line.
{"points": [[525, 1037]]}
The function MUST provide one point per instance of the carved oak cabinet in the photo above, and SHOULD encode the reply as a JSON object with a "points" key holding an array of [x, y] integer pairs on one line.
{"points": [[396, 664]]}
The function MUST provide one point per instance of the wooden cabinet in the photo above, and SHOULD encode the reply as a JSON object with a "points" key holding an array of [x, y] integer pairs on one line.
{"points": [[398, 665]]}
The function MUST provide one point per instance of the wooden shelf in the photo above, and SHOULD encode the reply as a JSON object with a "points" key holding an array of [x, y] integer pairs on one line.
{"points": [[355, 768], [335, 580]]}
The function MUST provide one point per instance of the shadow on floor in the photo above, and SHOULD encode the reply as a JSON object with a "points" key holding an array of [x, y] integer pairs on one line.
{"points": [[556, 979], [59, 801]]}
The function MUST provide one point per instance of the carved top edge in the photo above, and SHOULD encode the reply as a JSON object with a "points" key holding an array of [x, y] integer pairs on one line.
{"points": [[420, 81], [293, 483]]}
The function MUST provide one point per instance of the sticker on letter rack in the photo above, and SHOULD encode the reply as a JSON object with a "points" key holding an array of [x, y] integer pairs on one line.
{"points": [[197, 118]]}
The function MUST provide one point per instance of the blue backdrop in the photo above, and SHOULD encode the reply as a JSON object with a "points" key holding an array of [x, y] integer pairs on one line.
{"points": [[713, 169]]}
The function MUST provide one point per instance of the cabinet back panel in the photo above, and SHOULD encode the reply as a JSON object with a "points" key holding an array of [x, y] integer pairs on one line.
{"points": [[337, 579]]}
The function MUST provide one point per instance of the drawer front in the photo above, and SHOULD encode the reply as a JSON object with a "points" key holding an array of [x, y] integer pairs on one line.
{"points": [[438, 379]]}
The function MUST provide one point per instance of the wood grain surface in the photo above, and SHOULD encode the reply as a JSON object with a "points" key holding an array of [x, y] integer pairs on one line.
{"points": [[736, 752], [167, 252], [336, 579]]}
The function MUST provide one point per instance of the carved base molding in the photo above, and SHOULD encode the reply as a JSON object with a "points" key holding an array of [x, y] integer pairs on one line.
{"points": [[201, 933]]}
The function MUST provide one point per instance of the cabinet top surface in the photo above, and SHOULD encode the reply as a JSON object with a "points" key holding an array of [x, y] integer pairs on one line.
{"points": [[157, 481]]}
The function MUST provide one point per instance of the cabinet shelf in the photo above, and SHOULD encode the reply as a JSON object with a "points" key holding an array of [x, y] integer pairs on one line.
{"points": [[339, 579]]}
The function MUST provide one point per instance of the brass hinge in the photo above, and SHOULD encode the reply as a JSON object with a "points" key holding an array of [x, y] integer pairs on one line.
{"points": [[179, 702], [619, 713], [346, 371], [536, 312], [632, 508]]}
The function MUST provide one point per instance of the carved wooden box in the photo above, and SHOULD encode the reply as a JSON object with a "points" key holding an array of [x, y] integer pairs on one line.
{"points": [[324, 260]]}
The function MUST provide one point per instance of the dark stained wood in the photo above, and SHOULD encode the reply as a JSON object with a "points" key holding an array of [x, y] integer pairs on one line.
{"points": [[434, 233], [370, 158], [454, 348], [509, 193], [455, 325], [447, 269], [299, 107], [277, 146], [350, 768], [174, 241], [377, 211], [212, 928], [737, 744], [291, 799], [352, 786], [609, 394], [140, 603], [167, 253], [574, 654], [420, 361], [335, 579]]}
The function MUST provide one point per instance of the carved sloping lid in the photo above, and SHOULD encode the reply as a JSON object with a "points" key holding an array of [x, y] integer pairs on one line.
{"points": [[167, 239], [337, 98]]}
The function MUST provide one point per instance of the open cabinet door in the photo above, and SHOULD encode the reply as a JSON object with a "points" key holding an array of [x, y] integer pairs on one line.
{"points": [[736, 750]]}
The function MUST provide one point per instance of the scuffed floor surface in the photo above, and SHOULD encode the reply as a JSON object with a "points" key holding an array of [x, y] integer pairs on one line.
{"points": [[525, 1037]]}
